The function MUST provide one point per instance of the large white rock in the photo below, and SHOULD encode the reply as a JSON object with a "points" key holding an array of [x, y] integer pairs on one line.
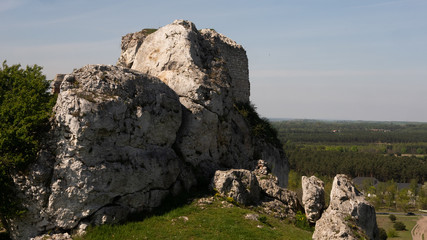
{"points": [[113, 136], [349, 215], [210, 74], [313, 197]]}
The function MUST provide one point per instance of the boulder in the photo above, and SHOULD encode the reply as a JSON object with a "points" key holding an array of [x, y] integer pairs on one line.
{"points": [[258, 187], [239, 184], [349, 215], [313, 197]]}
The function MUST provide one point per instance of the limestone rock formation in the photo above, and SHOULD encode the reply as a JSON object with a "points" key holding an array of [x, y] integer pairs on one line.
{"points": [[210, 74], [123, 139], [258, 187], [349, 215], [113, 136], [239, 184], [313, 197]]}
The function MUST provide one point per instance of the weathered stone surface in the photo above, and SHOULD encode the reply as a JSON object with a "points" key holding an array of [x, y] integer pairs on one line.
{"points": [[313, 197], [210, 74], [258, 187], [114, 131], [239, 184], [349, 215], [278, 201]]}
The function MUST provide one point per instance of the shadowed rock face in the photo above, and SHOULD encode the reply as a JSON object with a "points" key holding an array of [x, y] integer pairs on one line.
{"points": [[349, 215], [123, 139]]}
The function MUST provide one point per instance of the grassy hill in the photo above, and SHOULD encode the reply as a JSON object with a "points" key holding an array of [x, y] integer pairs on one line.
{"points": [[203, 218]]}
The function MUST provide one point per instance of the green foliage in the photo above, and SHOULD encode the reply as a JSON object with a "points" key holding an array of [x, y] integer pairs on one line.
{"points": [[392, 217], [262, 219], [25, 107], [149, 31], [391, 233], [302, 222], [260, 127], [399, 226], [382, 234]]}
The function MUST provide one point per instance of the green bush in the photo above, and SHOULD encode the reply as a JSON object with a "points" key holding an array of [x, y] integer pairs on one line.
{"points": [[399, 226], [392, 218], [302, 222], [25, 107], [260, 127], [382, 234]]}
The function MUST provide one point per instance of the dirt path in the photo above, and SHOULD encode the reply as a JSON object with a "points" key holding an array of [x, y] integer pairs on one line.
{"points": [[419, 232]]}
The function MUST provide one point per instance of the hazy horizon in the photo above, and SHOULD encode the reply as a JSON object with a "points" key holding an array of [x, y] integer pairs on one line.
{"points": [[332, 59]]}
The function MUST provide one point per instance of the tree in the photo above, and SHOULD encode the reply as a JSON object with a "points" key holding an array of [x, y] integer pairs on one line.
{"points": [[25, 107], [392, 217]]}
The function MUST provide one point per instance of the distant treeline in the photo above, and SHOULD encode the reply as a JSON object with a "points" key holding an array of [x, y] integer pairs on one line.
{"points": [[372, 149], [313, 131], [308, 161]]}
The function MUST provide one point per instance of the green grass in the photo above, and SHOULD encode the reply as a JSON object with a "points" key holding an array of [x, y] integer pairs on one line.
{"points": [[214, 221], [410, 221]]}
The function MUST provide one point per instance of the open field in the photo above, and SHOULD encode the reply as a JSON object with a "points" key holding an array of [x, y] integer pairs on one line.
{"points": [[410, 221]]}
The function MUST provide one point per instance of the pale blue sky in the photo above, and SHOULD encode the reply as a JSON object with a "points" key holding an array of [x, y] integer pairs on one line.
{"points": [[317, 59]]}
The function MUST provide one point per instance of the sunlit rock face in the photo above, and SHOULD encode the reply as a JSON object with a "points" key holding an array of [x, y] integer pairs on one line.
{"points": [[349, 215]]}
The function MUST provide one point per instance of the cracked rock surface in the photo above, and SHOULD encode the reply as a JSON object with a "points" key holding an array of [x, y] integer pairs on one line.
{"points": [[125, 137], [313, 197], [349, 215]]}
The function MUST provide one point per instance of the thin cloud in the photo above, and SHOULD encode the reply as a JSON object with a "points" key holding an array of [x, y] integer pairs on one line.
{"points": [[6, 5]]}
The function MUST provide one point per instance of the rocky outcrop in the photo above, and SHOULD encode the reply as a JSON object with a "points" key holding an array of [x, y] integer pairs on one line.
{"points": [[258, 187], [123, 139], [113, 136], [210, 74], [349, 215], [239, 184], [313, 197]]}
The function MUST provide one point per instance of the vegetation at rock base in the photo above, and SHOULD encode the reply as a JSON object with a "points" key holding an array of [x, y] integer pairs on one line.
{"points": [[197, 220], [25, 107]]}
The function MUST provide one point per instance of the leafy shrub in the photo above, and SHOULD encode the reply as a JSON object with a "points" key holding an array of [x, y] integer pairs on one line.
{"points": [[260, 127], [392, 218], [382, 234], [262, 219], [399, 226], [25, 107], [302, 222]]}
